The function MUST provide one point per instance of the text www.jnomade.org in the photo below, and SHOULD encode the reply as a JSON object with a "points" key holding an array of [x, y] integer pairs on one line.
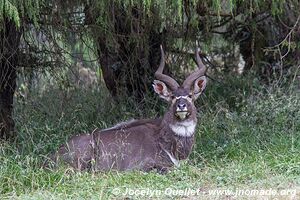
{"points": [[147, 192]]}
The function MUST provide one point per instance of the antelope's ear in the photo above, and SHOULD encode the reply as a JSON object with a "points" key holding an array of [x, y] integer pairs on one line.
{"points": [[162, 90], [199, 86]]}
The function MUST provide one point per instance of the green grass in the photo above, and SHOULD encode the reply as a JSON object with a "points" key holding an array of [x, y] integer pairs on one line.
{"points": [[245, 139]]}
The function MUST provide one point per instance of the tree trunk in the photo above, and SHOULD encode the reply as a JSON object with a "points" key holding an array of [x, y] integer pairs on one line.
{"points": [[129, 53], [9, 42], [266, 35], [128, 73]]}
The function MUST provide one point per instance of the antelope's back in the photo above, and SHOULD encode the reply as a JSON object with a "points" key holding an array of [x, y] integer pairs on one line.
{"points": [[129, 146], [126, 146]]}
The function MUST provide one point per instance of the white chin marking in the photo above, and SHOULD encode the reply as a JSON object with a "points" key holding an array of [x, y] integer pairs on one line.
{"points": [[184, 129], [181, 115]]}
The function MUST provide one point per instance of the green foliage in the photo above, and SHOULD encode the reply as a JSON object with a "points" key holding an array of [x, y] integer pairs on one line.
{"points": [[31, 9], [235, 90], [277, 6], [171, 12], [267, 122], [17, 10], [156, 13], [10, 11]]}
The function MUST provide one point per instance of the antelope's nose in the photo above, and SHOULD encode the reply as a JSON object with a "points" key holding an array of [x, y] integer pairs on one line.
{"points": [[181, 106]]}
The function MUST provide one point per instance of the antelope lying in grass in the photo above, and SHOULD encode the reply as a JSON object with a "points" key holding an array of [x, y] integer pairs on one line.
{"points": [[143, 144]]}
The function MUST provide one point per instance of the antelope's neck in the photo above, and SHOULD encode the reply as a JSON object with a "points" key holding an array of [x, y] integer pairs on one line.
{"points": [[178, 138]]}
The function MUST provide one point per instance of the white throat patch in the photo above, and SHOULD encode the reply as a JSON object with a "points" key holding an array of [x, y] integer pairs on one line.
{"points": [[184, 129]]}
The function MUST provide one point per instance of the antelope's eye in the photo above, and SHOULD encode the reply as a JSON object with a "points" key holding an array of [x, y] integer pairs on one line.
{"points": [[190, 96], [173, 97]]}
